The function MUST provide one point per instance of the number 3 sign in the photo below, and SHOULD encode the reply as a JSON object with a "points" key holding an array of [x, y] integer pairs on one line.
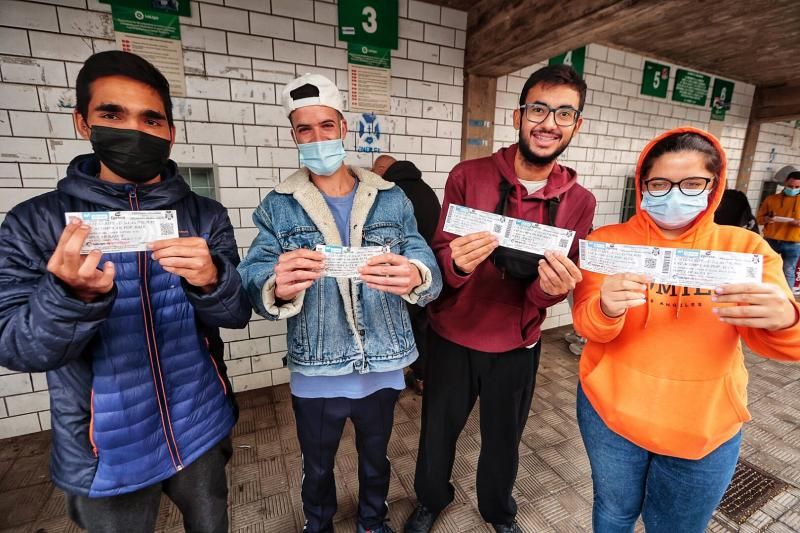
{"points": [[371, 22]]}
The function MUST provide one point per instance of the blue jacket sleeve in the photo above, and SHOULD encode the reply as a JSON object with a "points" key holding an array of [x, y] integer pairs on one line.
{"points": [[417, 251], [42, 326], [227, 305]]}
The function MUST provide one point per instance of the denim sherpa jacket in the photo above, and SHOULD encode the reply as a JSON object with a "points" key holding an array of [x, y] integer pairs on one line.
{"points": [[338, 325]]}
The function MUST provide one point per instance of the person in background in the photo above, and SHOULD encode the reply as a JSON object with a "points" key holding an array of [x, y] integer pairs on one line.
{"points": [[348, 339], [779, 214], [663, 385], [140, 401], [734, 210], [426, 211]]}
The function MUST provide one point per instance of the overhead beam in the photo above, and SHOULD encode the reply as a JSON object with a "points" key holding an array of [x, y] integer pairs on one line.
{"points": [[504, 36], [781, 102]]}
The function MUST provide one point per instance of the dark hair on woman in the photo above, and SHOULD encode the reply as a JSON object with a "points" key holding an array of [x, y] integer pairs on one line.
{"points": [[118, 63], [684, 142], [555, 75]]}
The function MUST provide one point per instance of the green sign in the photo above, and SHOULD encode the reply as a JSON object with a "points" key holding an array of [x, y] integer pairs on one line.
{"points": [[370, 22], [371, 56], [690, 87], [147, 23], [721, 96], [655, 79], [181, 7], [797, 124], [574, 58]]}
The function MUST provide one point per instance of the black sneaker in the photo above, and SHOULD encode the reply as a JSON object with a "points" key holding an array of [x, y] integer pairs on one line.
{"points": [[513, 527], [420, 521]]}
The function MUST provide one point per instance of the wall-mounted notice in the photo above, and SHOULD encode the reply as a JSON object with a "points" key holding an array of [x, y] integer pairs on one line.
{"points": [[690, 87], [655, 79], [155, 36], [721, 96], [370, 78]]}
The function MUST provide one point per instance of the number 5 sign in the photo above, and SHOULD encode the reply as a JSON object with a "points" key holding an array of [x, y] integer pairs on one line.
{"points": [[371, 22]]}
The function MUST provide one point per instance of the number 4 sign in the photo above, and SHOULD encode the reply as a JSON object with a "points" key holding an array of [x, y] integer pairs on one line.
{"points": [[370, 22]]}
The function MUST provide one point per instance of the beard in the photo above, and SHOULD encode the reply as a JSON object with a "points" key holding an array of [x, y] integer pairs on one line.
{"points": [[539, 160]]}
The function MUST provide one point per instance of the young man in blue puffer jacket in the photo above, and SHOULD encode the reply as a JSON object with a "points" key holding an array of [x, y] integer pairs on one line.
{"points": [[348, 339], [140, 401]]}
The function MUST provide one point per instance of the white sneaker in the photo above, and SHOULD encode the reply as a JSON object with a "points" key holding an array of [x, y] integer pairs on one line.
{"points": [[572, 337], [576, 348]]}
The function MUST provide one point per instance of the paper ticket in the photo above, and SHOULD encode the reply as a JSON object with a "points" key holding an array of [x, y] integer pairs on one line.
{"points": [[783, 219], [512, 232], [697, 269], [343, 261], [125, 231]]}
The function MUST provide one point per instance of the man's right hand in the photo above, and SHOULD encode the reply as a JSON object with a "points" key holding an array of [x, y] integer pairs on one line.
{"points": [[471, 250], [296, 271], [78, 271]]}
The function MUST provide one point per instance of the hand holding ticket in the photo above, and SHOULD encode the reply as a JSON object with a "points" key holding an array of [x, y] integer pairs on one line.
{"points": [[684, 267], [125, 231], [511, 232]]}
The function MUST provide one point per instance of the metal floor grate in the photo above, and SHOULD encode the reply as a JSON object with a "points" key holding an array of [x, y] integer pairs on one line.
{"points": [[750, 489]]}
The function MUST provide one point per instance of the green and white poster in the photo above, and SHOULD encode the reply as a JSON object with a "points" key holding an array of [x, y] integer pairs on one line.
{"points": [[721, 96], [178, 7], [690, 87], [156, 36], [655, 79], [370, 22], [574, 58], [370, 78]]}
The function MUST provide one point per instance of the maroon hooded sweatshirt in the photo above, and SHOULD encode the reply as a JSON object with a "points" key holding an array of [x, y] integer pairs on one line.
{"points": [[482, 310]]}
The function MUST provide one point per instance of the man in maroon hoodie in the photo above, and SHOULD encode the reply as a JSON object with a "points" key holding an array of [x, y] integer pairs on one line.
{"points": [[485, 325]]}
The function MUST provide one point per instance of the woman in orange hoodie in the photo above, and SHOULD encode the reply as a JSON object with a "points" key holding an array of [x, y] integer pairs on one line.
{"points": [[663, 386]]}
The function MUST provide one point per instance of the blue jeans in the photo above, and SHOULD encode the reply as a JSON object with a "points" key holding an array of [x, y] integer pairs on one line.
{"points": [[672, 495], [790, 252]]}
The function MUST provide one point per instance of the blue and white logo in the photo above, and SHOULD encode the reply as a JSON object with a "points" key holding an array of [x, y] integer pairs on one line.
{"points": [[369, 133]]}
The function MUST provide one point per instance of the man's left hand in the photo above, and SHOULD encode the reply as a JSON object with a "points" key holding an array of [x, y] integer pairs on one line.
{"points": [[759, 305], [391, 273], [558, 274], [189, 258]]}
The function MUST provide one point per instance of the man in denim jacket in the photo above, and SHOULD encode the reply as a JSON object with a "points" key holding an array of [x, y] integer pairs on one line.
{"points": [[348, 339]]}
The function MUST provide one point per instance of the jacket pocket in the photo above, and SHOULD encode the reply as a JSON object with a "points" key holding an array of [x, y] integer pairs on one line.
{"points": [[307, 237], [216, 367], [388, 234]]}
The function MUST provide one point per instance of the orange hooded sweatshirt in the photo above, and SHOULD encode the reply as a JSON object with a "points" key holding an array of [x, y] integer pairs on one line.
{"points": [[669, 376]]}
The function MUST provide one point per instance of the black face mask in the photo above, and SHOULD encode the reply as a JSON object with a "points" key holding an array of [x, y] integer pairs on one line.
{"points": [[130, 154]]}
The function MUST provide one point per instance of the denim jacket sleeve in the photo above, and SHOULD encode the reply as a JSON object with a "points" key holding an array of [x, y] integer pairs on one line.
{"points": [[227, 305], [42, 325], [258, 270], [417, 251]]}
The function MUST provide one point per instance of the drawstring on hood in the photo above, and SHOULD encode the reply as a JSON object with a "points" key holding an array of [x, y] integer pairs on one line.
{"points": [[701, 225]]}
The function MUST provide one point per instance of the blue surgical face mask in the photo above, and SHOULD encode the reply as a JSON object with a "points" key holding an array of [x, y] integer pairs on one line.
{"points": [[791, 192], [322, 158], [674, 210]]}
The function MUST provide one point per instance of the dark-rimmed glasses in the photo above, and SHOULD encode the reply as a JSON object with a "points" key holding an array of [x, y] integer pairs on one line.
{"points": [[538, 113], [691, 186]]}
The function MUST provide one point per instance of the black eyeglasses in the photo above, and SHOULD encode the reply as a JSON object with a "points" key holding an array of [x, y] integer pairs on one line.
{"points": [[691, 186], [538, 113]]}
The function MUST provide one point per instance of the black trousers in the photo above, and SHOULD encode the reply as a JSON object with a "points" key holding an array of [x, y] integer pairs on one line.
{"points": [[455, 377], [320, 422], [419, 327], [200, 491]]}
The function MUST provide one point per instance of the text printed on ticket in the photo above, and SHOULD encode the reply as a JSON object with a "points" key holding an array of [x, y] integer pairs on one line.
{"points": [[513, 233], [344, 261], [683, 267], [125, 231]]}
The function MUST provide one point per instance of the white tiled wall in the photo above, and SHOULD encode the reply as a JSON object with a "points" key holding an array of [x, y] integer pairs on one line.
{"points": [[238, 55], [618, 123]]}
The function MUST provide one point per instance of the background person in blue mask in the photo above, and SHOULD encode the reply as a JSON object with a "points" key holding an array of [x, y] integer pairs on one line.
{"points": [[348, 340], [139, 397], [780, 216]]}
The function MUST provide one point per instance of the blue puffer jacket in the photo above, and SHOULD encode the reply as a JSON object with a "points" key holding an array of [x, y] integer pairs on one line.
{"points": [[138, 388]]}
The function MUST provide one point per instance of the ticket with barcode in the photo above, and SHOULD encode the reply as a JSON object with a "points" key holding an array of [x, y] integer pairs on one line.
{"points": [[511, 232], [683, 267], [125, 231], [344, 261]]}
